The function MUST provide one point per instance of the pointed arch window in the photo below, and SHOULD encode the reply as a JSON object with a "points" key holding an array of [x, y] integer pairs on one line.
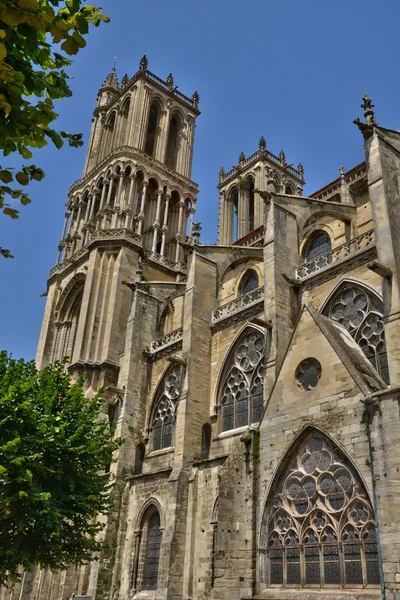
{"points": [[242, 389], [165, 406], [318, 525], [152, 557], [361, 313], [150, 142], [319, 244], [249, 282]]}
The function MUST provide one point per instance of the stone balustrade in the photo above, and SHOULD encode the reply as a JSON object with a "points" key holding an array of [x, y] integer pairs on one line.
{"points": [[238, 304], [166, 341], [252, 238], [326, 259]]}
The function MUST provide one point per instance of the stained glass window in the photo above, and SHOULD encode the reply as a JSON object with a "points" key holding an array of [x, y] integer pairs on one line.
{"points": [[163, 416], [308, 374], [152, 557], [320, 243], [361, 313], [242, 390], [318, 527], [249, 282]]}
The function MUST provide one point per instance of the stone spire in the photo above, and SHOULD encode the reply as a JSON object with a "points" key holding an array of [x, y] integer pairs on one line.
{"points": [[195, 99], [282, 156], [262, 144], [170, 82], [144, 63], [221, 174], [242, 158], [111, 80]]}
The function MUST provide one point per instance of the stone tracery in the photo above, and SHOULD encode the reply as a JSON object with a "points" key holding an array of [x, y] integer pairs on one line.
{"points": [[163, 417], [318, 527]]}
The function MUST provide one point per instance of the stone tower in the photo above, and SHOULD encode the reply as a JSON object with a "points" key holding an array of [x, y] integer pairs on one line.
{"points": [[135, 199]]}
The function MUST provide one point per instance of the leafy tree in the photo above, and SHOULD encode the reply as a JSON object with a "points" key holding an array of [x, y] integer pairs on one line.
{"points": [[53, 450], [32, 75]]}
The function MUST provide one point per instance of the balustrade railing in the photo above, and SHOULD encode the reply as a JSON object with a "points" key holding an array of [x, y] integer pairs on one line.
{"points": [[166, 340], [332, 256], [237, 304]]}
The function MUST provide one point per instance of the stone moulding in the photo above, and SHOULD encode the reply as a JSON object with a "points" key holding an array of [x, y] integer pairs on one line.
{"points": [[325, 260], [238, 309]]}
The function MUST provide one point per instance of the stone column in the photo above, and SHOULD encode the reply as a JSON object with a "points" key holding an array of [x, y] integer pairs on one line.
{"points": [[76, 231], [102, 202], [156, 224], [117, 201], [165, 225], [222, 218], [142, 205], [108, 206], [192, 212], [165, 115], [243, 211], [228, 226], [145, 115], [178, 236], [62, 244], [130, 208]]}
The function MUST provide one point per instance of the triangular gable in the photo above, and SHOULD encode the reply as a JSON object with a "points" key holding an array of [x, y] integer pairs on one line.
{"points": [[341, 359]]}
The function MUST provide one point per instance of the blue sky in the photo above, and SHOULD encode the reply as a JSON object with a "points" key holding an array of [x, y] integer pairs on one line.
{"points": [[294, 72]]}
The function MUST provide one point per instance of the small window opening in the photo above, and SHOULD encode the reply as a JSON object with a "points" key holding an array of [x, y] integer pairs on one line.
{"points": [[319, 244], [139, 459], [251, 207], [205, 441], [172, 146], [249, 282]]}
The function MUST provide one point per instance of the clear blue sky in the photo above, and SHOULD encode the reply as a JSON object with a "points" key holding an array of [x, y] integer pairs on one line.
{"points": [[294, 72]]}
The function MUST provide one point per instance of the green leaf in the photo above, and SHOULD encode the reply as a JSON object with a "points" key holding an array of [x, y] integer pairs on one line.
{"points": [[22, 178], [25, 200], [6, 176], [11, 212]]}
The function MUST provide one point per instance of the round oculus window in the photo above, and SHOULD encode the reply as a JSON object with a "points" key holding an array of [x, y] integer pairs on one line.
{"points": [[308, 374]]}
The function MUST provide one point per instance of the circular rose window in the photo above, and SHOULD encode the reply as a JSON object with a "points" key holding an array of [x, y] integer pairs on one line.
{"points": [[308, 374]]}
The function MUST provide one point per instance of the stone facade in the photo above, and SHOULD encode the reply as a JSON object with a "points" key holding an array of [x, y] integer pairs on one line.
{"points": [[255, 381]]}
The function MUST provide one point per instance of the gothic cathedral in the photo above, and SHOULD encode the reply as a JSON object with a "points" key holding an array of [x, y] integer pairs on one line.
{"points": [[256, 381]]}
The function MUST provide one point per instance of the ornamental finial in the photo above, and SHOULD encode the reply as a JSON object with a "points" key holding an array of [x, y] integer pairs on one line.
{"points": [[124, 80], [300, 170], [368, 110], [170, 82], [196, 232], [242, 158], [282, 156], [195, 99], [342, 169], [144, 63], [221, 174], [262, 144]]}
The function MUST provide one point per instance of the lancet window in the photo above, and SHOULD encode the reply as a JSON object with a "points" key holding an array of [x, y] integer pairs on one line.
{"points": [[242, 389], [361, 313], [152, 557], [165, 407], [320, 243], [319, 525]]}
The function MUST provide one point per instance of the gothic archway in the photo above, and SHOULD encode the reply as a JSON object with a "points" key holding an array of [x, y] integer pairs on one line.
{"points": [[318, 525], [165, 405]]}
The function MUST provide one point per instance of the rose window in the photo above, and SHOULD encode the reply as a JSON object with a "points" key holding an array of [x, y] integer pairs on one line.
{"points": [[242, 394], [308, 374], [361, 314], [318, 527]]}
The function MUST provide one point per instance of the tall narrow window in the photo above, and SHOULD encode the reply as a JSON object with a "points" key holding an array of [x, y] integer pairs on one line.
{"points": [[205, 440], [320, 243], [172, 145], [149, 146], [318, 506], [165, 406], [242, 389], [152, 555], [214, 523], [361, 313]]}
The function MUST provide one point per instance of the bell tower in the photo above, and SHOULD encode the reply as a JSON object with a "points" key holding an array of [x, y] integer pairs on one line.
{"points": [[135, 200]]}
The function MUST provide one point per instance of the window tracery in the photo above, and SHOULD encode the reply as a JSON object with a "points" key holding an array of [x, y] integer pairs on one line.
{"points": [[165, 405], [319, 244], [361, 313], [242, 390], [320, 528]]}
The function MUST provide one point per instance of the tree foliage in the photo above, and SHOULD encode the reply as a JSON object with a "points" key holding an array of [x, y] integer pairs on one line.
{"points": [[32, 75], [53, 450]]}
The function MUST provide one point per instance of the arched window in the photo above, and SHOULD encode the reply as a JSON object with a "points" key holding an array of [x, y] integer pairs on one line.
{"points": [[172, 145], [165, 406], [242, 389], [317, 507], [205, 440], [214, 523], [319, 244], [361, 313], [124, 122], [149, 146], [233, 214], [249, 282], [152, 558], [67, 325]]}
